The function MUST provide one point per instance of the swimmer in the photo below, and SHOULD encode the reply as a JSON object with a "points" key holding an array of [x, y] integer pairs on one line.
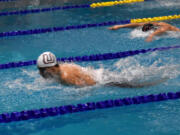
{"points": [[72, 74], [65, 73], [158, 28]]}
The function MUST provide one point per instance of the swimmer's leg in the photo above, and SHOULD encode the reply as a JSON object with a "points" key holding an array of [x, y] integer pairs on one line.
{"points": [[136, 85]]}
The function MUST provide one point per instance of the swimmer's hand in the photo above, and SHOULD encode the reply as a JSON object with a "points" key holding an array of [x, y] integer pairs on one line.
{"points": [[114, 27], [149, 39]]}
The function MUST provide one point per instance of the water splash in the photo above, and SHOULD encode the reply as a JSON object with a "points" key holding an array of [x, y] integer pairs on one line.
{"points": [[138, 33], [156, 5], [130, 72], [31, 80], [171, 3]]}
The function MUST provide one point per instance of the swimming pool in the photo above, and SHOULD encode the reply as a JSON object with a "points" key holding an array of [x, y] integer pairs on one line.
{"points": [[24, 89]]}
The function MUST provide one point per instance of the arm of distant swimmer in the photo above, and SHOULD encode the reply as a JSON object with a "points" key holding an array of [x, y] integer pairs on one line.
{"points": [[159, 31], [131, 25]]}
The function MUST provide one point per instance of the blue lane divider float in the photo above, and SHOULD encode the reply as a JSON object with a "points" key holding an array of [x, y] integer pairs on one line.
{"points": [[94, 57], [56, 29], [35, 11], [39, 10], [68, 109], [7, 0]]}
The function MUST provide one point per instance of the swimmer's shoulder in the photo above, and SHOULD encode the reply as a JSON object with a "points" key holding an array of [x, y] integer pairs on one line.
{"points": [[69, 67]]}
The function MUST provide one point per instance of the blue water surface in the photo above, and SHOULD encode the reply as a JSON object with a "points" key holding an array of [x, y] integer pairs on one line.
{"points": [[24, 89]]}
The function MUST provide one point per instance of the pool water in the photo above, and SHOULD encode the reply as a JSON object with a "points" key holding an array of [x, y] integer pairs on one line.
{"points": [[24, 89]]}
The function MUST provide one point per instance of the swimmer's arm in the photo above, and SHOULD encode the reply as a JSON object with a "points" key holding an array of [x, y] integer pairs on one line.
{"points": [[157, 32], [131, 25]]}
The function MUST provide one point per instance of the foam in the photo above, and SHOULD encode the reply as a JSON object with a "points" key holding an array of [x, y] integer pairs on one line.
{"points": [[129, 71], [155, 5], [30, 80], [171, 3], [37, 83], [138, 33]]}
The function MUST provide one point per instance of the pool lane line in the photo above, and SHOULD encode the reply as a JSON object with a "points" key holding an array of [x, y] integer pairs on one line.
{"points": [[159, 18], [7, 0], [84, 107], [83, 26], [113, 3], [93, 57], [93, 5], [39, 10], [56, 29]]}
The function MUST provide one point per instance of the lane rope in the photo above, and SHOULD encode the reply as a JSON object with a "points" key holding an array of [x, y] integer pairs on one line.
{"points": [[56, 29], [90, 106], [151, 19], [93, 5], [94, 57], [7, 0], [113, 3]]}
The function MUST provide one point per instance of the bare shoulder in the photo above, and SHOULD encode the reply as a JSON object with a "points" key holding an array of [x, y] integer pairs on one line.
{"points": [[67, 65], [70, 68]]}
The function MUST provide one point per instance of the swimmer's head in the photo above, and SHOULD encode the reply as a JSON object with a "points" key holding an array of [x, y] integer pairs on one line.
{"points": [[47, 64], [46, 59], [147, 27]]}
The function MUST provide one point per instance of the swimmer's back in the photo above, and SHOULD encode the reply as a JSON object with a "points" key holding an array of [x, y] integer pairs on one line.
{"points": [[74, 74], [166, 25]]}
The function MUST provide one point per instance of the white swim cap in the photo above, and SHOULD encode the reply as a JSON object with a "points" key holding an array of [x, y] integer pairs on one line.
{"points": [[46, 59]]}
